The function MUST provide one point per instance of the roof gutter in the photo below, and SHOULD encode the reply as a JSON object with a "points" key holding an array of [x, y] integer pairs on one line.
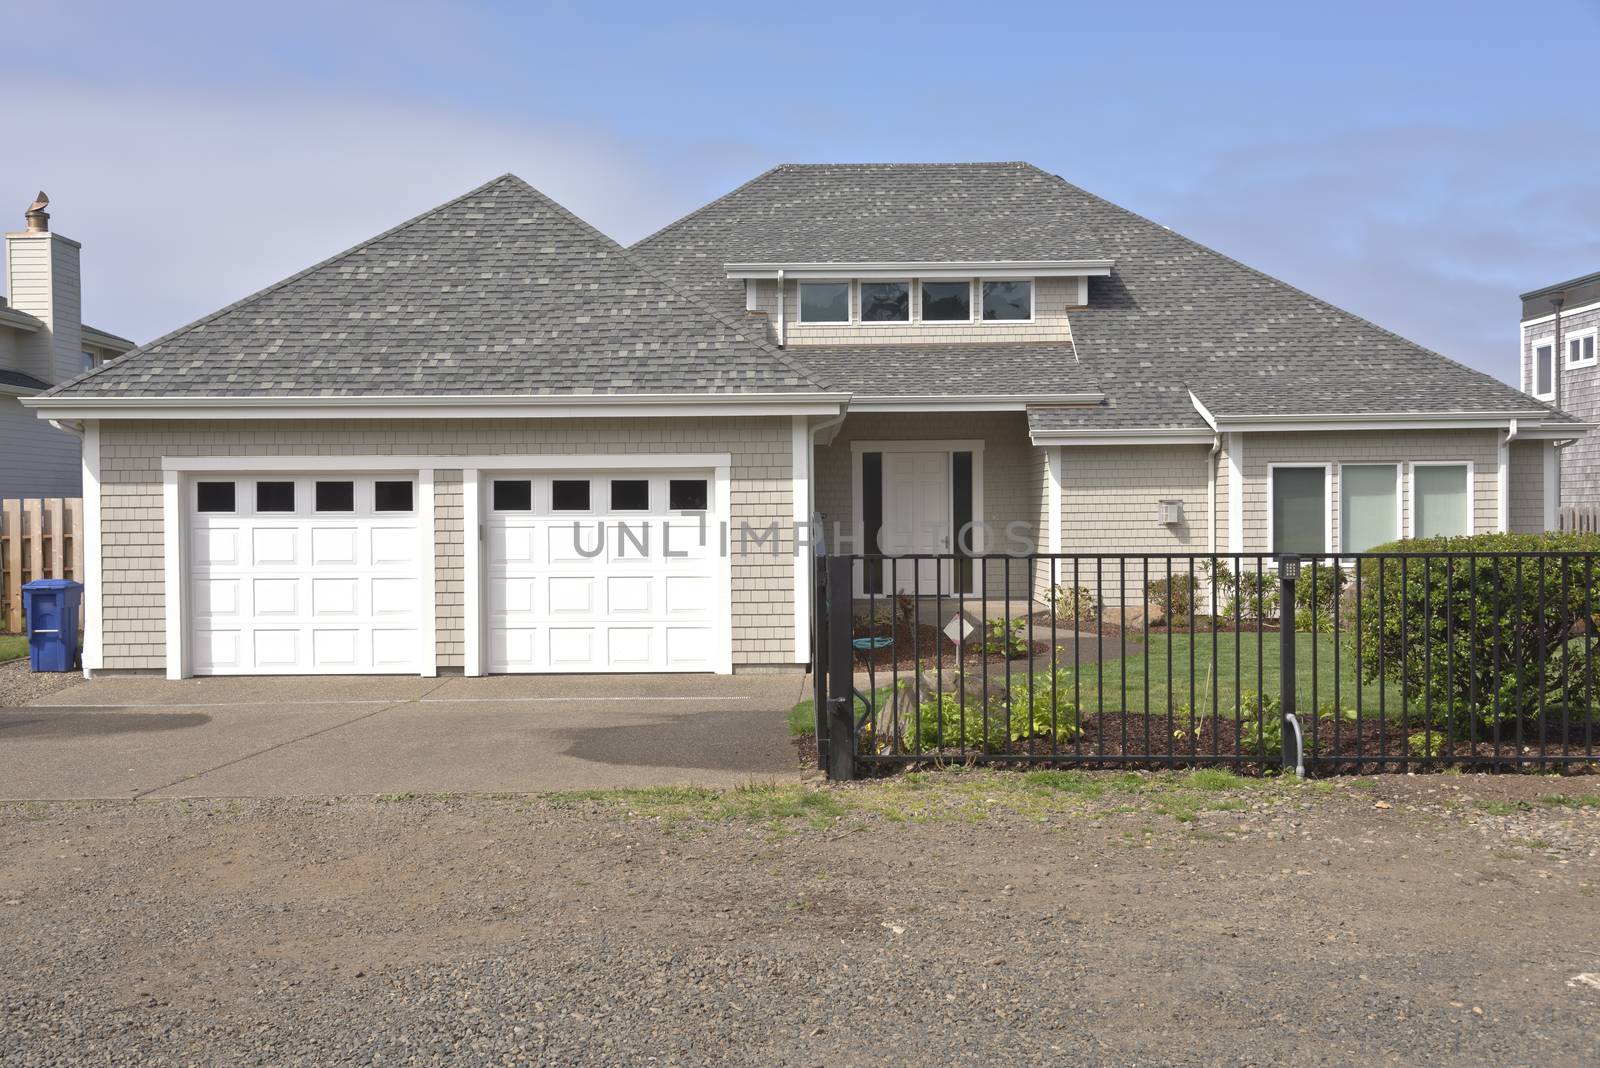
{"points": [[968, 402], [900, 269]]}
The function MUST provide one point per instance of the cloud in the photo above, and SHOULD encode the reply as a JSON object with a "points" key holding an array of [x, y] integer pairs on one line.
{"points": [[187, 201]]}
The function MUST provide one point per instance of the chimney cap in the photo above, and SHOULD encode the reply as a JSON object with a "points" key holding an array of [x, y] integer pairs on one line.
{"points": [[37, 218]]}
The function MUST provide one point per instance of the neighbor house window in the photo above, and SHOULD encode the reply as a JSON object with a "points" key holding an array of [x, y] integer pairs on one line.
{"points": [[885, 302], [1543, 380], [1300, 510], [1439, 500], [1580, 350], [824, 302], [1369, 506], [946, 302], [1008, 300]]}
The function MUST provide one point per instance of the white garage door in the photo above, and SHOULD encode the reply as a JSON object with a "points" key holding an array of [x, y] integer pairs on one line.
{"points": [[612, 571], [304, 574]]}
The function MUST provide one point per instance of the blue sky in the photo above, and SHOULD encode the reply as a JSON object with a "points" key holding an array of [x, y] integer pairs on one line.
{"points": [[1419, 164]]}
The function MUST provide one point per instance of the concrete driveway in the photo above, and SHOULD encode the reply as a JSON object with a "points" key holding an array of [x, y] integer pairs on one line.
{"points": [[258, 737]]}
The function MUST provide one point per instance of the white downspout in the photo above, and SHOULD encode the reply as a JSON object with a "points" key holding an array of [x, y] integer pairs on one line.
{"points": [[1211, 513], [1503, 516], [781, 330]]}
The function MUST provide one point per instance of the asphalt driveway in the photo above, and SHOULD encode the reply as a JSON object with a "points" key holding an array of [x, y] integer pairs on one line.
{"points": [[313, 736]]}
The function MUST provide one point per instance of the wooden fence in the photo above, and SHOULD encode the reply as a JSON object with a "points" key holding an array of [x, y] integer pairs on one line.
{"points": [[1579, 518], [38, 539]]}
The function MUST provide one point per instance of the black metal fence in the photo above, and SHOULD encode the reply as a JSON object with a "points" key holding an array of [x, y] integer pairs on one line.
{"points": [[1394, 661]]}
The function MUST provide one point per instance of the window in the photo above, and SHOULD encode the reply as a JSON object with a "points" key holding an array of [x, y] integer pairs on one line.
{"points": [[1440, 500], [214, 496], [687, 494], [513, 495], [946, 302], [1543, 383], [1580, 349], [336, 496], [274, 496], [1369, 506], [391, 496], [885, 302], [569, 495], [630, 495], [824, 302], [1008, 300], [1300, 510], [88, 361]]}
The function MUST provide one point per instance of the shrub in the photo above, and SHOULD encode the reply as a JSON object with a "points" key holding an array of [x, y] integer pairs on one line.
{"points": [[1250, 596], [1077, 603], [1175, 595], [1032, 707], [1492, 637], [1314, 595], [1002, 637]]}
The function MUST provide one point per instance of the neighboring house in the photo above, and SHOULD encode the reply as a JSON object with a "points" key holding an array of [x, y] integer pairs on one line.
{"points": [[378, 464], [1565, 318], [43, 342]]}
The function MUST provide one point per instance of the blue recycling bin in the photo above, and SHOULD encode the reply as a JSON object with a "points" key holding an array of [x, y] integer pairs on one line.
{"points": [[51, 608]]}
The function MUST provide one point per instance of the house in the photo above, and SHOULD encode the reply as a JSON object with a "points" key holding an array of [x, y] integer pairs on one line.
{"points": [[436, 451], [43, 341], [1565, 318]]}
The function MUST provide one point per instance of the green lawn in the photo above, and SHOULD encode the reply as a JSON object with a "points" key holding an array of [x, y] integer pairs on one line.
{"points": [[13, 646]]}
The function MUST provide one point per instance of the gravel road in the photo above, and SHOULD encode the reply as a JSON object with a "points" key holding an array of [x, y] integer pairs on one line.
{"points": [[974, 919]]}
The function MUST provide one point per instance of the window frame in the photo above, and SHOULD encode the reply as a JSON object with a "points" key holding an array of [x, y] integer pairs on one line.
{"points": [[800, 301], [1033, 302], [859, 304], [1587, 333], [1327, 507], [922, 301], [1533, 367], [1399, 499], [1411, 493]]}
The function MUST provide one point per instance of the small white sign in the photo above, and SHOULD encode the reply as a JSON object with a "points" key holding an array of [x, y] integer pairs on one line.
{"points": [[959, 629]]}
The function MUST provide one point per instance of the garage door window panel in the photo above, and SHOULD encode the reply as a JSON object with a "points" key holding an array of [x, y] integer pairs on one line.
{"points": [[513, 495], [393, 496], [630, 495], [275, 497], [336, 496], [569, 495], [688, 495], [214, 497]]}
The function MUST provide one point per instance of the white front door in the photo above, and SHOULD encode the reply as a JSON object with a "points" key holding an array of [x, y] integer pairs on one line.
{"points": [[605, 572], [305, 574], [916, 518]]}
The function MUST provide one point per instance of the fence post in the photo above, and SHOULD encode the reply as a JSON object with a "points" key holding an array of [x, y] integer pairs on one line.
{"points": [[1288, 577], [841, 672]]}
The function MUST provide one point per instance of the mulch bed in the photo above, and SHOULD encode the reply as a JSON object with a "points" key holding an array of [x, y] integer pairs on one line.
{"points": [[930, 643]]}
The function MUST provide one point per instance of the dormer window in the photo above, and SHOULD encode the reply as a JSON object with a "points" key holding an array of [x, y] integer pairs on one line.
{"points": [[1008, 301], [886, 302], [824, 302], [947, 302]]}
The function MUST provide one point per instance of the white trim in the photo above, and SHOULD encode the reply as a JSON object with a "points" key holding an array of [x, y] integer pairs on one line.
{"points": [[974, 445], [173, 543], [1236, 493], [1585, 333], [94, 639], [800, 496], [1387, 421], [1552, 486], [1205, 413], [1083, 290], [979, 402], [472, 572], [722, 477], [1411, 493], [1502, 506], [1541, 320], [1033, 301], [428, 635], [538, 406], [1399, 495], [947, 270], [1120, 437], [1327, 504], [1052, 460], [800, 302], [518, 461], [922, 302]]}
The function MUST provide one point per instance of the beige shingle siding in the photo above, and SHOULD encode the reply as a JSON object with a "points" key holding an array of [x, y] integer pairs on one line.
{"points": [[1053, 297], [449, 569], [1011, 484], [1480, 447], [763, 612], [1527, 486]]}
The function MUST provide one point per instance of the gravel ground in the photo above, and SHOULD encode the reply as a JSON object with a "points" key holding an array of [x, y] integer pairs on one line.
{"points": [[963, 918], [20, 685]]}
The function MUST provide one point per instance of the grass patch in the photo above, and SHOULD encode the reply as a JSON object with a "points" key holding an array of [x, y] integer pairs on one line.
{"points": [[13, 646], [1502, 808], [803, 716], [760, 803], [1571, 800]]}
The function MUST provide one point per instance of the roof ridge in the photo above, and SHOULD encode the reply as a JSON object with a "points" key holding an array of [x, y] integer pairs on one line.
{"points": [[1291, 287], [122, 361]]}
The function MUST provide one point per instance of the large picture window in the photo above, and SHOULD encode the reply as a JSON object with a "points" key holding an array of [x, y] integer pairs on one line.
{"points": [[885, 302], [824, 302], [1008, 300], [1300, 510], [1369, 506], [946, 302], [1440, 500]]}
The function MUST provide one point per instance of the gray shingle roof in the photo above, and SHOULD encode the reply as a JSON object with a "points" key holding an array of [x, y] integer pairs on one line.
{"points": [[1172, 316], [946, 369], [498, 292]]}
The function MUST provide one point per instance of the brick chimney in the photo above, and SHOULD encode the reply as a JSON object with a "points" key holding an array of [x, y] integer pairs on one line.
{"points": [[42, 280]]}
